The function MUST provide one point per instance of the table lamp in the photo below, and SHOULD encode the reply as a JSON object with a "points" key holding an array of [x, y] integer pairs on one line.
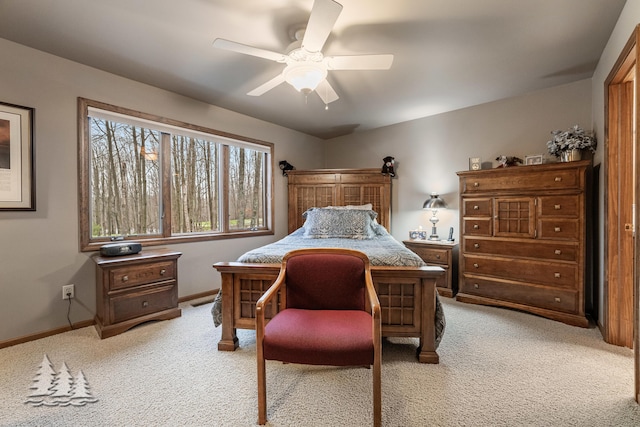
{"points": [[434, 203]]}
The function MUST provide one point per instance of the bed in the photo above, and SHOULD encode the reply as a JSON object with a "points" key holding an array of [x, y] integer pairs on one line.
{"points": [[322, 205]]}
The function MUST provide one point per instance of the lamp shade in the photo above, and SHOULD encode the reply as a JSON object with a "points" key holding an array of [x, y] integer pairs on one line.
{"points": [[434, 202], [305, 76]]}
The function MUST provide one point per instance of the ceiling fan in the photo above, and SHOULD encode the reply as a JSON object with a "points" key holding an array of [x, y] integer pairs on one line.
{"points": [[306, 67]]}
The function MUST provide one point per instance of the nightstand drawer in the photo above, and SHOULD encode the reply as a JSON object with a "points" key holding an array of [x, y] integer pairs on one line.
{"points": [[140, 303], [432, 256], [134, 275]]}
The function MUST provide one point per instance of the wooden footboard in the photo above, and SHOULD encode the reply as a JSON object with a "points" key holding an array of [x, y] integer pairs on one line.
{"points": [[407, 297]]}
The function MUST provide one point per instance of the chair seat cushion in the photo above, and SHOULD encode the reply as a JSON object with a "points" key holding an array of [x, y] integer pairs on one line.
{"points": [[320, 337]]}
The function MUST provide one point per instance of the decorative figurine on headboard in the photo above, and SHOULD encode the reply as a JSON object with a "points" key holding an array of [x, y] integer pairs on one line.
{"points": [[506, 161], [286, 167], [387, 167]]}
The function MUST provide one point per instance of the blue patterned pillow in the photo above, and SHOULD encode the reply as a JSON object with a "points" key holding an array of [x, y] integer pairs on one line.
{"points": [[329, 223]]}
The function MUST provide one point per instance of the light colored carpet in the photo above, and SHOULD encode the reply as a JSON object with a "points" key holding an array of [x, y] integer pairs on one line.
{"points": [[497, 368]]}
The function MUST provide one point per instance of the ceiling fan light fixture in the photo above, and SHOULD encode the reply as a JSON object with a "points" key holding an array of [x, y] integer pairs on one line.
{"points": [[305, 77]]}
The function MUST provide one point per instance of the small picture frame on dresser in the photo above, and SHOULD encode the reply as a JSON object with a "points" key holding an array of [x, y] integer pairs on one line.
{"points": [[535, 159], [475, 163]]}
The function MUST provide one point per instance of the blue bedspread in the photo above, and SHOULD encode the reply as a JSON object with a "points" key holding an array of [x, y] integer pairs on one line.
{"points": [[381, 250]]}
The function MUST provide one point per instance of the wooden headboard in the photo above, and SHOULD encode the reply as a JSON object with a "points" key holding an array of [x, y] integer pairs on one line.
{"points": [[338, 187]]}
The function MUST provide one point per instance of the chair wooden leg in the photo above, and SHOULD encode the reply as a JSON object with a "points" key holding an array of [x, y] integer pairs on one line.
{"points": [[262, 392], [377, 397]]}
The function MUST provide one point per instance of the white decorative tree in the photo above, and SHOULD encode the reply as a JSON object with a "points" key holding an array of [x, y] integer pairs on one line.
{"points": [[62, 385], [42, 382], [81, 394]]}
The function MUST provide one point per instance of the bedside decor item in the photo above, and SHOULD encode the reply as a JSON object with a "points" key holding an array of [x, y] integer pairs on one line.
{"points": [[533, 159], [18, 189], [568, 145], [433, 204], [475, 163], [388, 166], [285, 167], [506, 161]]}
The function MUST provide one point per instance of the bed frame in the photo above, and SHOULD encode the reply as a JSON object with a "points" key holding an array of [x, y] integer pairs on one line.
{"points": [[407, 294]]}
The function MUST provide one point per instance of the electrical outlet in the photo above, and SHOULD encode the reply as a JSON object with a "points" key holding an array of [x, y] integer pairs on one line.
{"points": [[68, 291]]}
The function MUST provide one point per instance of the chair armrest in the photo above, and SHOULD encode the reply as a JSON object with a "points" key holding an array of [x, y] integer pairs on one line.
{"points": [[373, 297], [268, 296]]}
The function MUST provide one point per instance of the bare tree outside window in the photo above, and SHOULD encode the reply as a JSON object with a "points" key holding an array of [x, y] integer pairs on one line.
{"points": [[148, 178]]}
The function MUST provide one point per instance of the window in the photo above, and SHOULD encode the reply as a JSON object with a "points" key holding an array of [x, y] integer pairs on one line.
{"points": [[156, 180]]}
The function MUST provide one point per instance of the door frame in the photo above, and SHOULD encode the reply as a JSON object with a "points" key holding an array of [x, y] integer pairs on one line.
{"points": [[622, 89]]}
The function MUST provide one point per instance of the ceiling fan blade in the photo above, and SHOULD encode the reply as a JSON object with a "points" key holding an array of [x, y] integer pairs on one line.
{"points": [[324, 15], [326, 92], [360, 62], [248, 50], [265, 87]]}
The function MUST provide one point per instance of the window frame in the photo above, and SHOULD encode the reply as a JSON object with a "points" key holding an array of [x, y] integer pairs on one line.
{"points": [[87, 243]]}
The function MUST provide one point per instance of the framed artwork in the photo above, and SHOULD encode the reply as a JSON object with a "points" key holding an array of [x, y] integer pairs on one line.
{"points": [[533, 160], [17, 174]]}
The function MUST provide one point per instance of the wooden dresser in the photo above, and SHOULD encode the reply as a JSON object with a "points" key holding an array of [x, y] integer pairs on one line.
{"points": [[134, 289], [524, 241], [442, 254]]}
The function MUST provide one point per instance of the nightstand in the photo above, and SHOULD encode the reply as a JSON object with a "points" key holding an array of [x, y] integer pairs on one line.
{"points": [[133, 289], [442, 254]]}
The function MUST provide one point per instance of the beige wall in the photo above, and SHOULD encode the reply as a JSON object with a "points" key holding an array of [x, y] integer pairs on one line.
{"points": [[39, 250], [431, 150]]}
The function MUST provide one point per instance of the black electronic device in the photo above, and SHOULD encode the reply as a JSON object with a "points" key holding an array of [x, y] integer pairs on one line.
{"points": [[450, 239], [121, 248]]}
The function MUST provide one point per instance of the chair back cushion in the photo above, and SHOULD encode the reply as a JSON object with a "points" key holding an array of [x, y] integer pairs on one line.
{"points": [[323, 281]]}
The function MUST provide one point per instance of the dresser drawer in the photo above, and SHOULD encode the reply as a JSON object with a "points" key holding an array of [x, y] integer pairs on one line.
{"points": [[431, 255], [560, 229], [549, 298], [476, 207], [140, 303], [557, 251], [477, 226], [134, 275], [504, 181], [549, 273], [559, 206]]}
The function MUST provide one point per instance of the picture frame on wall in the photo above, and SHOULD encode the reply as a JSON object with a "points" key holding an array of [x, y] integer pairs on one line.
{"points": [[17, 173], [533, 159]]}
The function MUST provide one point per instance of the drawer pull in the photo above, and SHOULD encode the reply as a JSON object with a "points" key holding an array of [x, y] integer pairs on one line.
{"points": [[557, 252], [476, 245], [556, 207], [438, 256], [125, 278], [162, 272], [557, 299], [476, 226], [558, 179], [145, 303], [556, 275], [476, 184], [475, 285], [556, 229], [475, 265], [476, 207]]}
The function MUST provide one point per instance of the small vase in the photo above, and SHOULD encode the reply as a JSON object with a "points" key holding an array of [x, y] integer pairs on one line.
{"points": [[571, 155]]}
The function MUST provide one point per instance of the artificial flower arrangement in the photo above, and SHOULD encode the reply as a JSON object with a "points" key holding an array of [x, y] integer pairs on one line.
{"points": [[573, 139]]}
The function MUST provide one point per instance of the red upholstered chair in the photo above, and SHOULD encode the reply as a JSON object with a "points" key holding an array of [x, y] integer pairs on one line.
{"points": [[329, 315]]}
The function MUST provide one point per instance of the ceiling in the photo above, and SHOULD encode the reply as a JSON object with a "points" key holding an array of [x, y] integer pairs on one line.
{"points": [[448, 54]]}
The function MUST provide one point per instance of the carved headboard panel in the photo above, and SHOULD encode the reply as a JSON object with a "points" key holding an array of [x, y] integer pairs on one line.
{"points": [[338, 187]]}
